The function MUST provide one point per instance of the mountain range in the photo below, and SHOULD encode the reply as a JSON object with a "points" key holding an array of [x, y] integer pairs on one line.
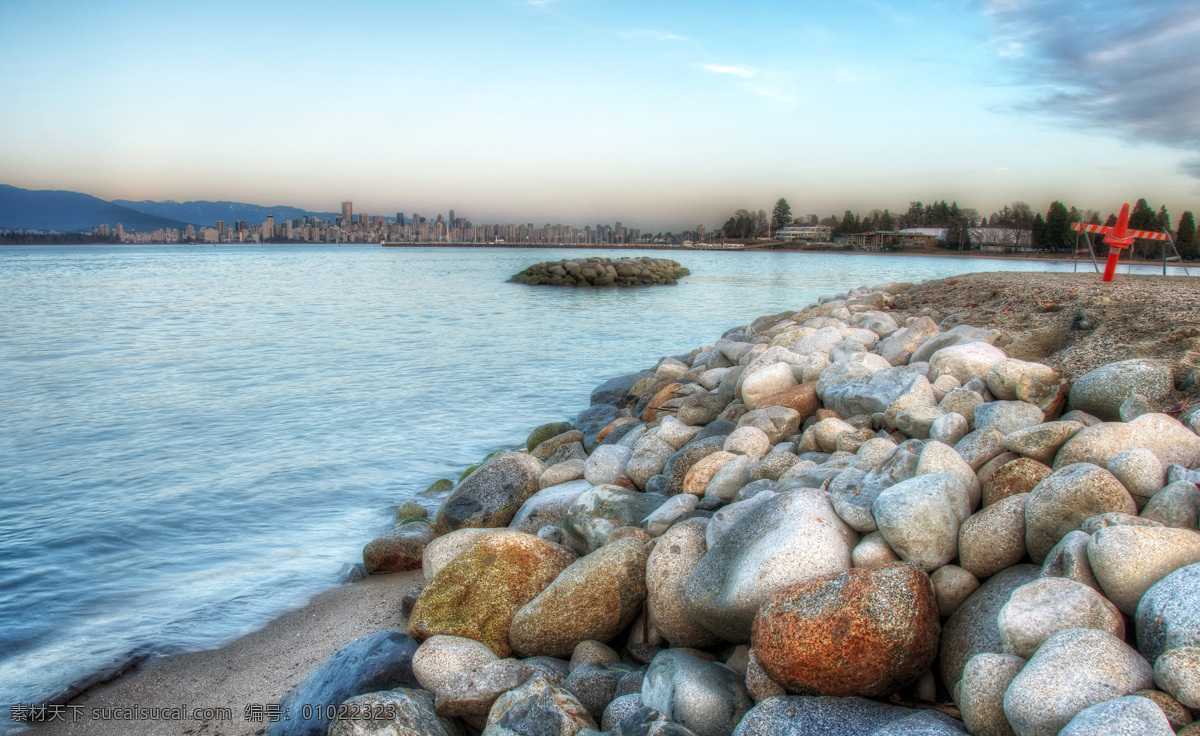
{"points": [[65, 211]]}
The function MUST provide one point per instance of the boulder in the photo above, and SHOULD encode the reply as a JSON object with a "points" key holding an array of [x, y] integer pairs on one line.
{"points": [[829, 715], [379, 661], [664, 516], [886, 392], [595, 686], [873, 551], [1007, 417], [939, 458], [972, 629], [731, 478], [917, 421], [789, 538], [1068, 559], [1141, 473], [399, 550], [957, 335], [777, 422], [1127, 716], [1128, 560], [477, 593], [980, 693], [961, 401], [537, 708], [1102, 391], [1177, 715], [1169, 440], [561, 473], [1013, 478], [548, 506], [440, 551], [994, 538], [398, 711], [674, 557], [858, 632], [1042, 442], [767, 381], [1036, 383], [1061, 503], [469, 694], [698, 410], [1039, 609], [603, 509], [854, 498], [1178, 672], [952, 585], [680, 464], [1071, 671], [1168, 616], [967, 361], [899, 347], [439, 660], [980, 447], [619, 709], [949, 428], [547, 448], [919, 518], [1177, 506], [593, 420], [491, 496], [595, 598], [607, 464], [703, 471], [858, 364], [618, 391], [706, 698]]}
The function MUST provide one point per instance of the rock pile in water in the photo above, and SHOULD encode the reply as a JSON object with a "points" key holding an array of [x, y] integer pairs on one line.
{"points": [[827, 521], [603, 272]]}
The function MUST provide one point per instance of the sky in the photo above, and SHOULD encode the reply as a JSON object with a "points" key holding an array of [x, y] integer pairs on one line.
{"points": [[659, 114]]}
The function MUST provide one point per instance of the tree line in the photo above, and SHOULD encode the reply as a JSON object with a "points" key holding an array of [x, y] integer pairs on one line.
{"points": [[1050, 231]]}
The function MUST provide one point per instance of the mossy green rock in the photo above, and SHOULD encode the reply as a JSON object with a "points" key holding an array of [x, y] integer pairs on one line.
{"points": [[545, 432], [490, 496], [602, 272], [477, 593], [440, 486], [410, 509]]}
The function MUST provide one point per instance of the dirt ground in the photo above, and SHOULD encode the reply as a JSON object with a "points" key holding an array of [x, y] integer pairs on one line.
{"points": [[1074, 322]]}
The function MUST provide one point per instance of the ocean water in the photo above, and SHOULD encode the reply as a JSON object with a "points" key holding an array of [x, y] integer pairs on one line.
{"points": [[194, 440]]}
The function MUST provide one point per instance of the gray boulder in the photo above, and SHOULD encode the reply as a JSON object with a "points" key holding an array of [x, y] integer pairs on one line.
{"points": [[606, 464], [1168, 616], [595, 686], [1039, 609], [1128, 560], [548, 506], [1127, 716], [972, 629], [1071, 671], [491, 496], [593, 419], [704, 697], [804, 715], [379, 661], [402, 710], [671, 561], [615, 391], [1007, 417], [888, 392], [602, 510], [537, 708], [919, 518], [980, 693], [790, 538], [1176, 506], [1061, 503], [854, 498], [1102, 391], [957, 335]]}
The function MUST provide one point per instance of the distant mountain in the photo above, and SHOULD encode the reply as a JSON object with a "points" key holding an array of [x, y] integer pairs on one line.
{"points": [[71, 212], [207, 213]]}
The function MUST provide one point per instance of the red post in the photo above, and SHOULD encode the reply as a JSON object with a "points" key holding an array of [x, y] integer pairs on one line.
{"points": [[1116, 239]]}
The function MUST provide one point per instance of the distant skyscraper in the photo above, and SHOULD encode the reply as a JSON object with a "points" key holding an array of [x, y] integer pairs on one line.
{"points": [[347, 213], [451, 217], [269, 227], [399, 218]]}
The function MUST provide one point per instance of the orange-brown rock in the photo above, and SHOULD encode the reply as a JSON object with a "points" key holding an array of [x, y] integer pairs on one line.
{"points": [[400, 549], [1018, 476], [699, 475], [625, 483], [826, 414], [859, 632], [477, 593], [665, 394], [549, 447], [613, 425], [802, 398]]}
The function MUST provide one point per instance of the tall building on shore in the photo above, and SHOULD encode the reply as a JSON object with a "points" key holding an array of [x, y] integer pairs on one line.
{"points": [[269, 227], [347, 213]]}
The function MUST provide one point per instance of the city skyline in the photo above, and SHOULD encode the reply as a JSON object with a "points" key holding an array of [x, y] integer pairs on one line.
{"points": [[663, 115]]}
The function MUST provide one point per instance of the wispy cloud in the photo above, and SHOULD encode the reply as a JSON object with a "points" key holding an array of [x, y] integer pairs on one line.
{"points": [[737, 71], [1128, 68], [652, 35]]}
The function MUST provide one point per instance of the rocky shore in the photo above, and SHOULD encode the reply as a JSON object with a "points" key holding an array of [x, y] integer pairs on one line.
{"points": [[603, 272], [948, 508]]}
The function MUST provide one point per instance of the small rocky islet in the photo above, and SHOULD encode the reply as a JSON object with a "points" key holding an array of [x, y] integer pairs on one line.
{"points": [[828, 521], [641, 271]]}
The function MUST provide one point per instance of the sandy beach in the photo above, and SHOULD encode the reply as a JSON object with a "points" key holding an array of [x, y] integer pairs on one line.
{"points": [[257, 669]]}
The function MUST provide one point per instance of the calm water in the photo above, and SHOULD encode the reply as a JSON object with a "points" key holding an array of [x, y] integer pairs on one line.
{"points": [[193, 440]]}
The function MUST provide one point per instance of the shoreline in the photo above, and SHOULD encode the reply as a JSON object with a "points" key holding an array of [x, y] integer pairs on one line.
{"points": [[262, 666], [258, 668]]}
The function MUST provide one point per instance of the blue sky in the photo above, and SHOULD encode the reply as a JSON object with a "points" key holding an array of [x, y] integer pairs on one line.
{"points": [[661, 114]]}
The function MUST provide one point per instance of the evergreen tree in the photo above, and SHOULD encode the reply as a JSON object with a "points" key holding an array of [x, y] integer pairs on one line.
{"points": [[1163, 222], [781, 216], [886, 222], [1142, 216], [1039, 231], [1185, 239], [1057, 228]]}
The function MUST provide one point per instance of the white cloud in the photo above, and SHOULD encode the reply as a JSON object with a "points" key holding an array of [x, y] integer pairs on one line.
{"points": [[737, 71]]}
